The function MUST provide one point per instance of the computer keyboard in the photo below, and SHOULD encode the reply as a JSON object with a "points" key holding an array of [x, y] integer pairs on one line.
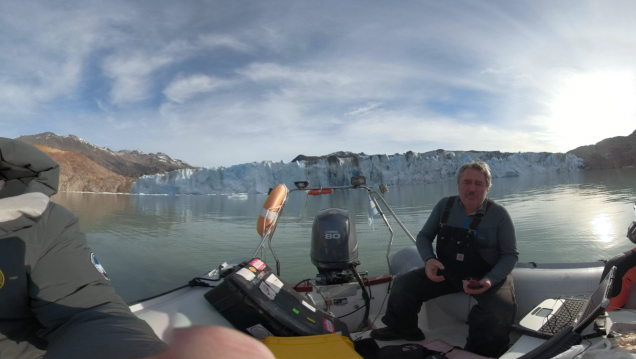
{"points": [[564, 316]]}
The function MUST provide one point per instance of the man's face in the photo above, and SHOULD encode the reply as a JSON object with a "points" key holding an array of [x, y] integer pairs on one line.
{"points": [[472, 188]]}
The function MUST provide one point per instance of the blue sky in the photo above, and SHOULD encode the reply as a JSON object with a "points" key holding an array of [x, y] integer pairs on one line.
{"points": [[217, 83]]}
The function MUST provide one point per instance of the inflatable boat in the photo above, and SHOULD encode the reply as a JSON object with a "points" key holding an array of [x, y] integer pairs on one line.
{"points": [[250, 295]]}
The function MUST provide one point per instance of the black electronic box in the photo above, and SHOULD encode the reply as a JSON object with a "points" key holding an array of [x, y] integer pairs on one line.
{"points": [[254, 300]]}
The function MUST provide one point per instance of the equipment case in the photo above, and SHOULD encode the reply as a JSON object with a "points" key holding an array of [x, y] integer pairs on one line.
{"points": [[257, 302]]}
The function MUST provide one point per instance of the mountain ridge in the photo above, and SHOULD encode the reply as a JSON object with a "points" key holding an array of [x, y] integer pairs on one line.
{"points": [[127, 163], [78, 173], [613, 152], [90, 168]]}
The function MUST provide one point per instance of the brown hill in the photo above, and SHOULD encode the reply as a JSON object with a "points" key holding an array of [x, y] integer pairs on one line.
{"points": [[615, 152], [126, 163], [79, 173]]}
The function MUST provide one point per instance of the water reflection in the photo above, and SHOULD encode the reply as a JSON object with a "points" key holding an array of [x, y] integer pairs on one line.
{"points": [[602, 226], [93, 208], [150, 244]]}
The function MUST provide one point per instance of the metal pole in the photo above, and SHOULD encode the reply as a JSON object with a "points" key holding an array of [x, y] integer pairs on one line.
{"points": [[395, 217]]}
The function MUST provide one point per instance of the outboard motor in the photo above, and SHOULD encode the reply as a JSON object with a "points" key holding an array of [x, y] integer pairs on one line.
{"points": [[334, 246], [334, 251]]}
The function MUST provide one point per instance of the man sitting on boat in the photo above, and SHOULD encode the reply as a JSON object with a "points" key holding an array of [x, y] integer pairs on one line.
{"points": [[475, 240]]}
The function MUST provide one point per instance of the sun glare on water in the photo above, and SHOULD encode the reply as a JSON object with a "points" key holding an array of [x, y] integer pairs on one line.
{"points": [[591, 107], [602, 227]]}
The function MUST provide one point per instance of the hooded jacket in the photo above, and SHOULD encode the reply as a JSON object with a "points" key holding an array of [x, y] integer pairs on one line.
{"points": [[55, 299]]}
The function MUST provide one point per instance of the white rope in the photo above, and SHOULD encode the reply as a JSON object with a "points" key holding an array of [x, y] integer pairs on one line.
{"points": [[268, 214]]}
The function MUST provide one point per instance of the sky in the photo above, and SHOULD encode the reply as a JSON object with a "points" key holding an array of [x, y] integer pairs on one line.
{"points": [[219, 83]]}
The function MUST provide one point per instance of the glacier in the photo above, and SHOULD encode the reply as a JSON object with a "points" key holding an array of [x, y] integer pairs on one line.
{"points": [[393, 170]]}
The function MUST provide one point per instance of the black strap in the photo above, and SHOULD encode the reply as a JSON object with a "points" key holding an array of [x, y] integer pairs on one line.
{"points": [[477, 218], [447, 211]]}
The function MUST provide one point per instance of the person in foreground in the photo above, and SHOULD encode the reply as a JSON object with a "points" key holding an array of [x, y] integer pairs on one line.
{"points": [[56, 298], [475, 239]]}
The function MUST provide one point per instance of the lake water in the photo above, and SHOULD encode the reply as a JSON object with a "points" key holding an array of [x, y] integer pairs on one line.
{"points": [[150, 244]]}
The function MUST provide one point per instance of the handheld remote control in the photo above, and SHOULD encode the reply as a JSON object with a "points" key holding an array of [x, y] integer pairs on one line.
{"points": [[474, 284]]}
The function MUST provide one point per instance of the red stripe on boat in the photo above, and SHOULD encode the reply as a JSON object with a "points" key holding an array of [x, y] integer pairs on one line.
{"points": [[367, 281]]}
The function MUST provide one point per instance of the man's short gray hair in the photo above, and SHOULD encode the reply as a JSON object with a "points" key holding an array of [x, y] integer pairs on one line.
{"points": [[477, 166]]}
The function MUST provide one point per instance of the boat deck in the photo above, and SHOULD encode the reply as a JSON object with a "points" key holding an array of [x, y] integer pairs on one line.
{"points": [[187, 307], [448, 329]]}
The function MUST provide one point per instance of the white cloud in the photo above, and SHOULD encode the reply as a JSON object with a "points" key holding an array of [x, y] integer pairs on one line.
{"points": [[364, 110], [182, 88], [131, 75], [43, 52], [275, 72], [213, 75], [217, 40]]}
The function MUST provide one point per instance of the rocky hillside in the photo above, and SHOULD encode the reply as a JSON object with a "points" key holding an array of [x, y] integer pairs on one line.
{"points": [[615, 152], [79, 173], [125, 163]]}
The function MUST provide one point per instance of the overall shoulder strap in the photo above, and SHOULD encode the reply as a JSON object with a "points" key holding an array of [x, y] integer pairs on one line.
{"points": [[477, 219], [447, 211]]}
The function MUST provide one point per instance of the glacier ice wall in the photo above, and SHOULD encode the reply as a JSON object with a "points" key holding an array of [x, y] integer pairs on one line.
{"points": [[393, 170]]}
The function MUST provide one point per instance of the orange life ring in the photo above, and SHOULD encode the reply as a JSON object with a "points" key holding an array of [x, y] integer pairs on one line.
{"points": [[271, 208]]}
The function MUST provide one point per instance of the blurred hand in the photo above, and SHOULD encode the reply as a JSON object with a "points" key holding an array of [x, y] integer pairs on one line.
{"points": [[208, 342], [431, 267]]}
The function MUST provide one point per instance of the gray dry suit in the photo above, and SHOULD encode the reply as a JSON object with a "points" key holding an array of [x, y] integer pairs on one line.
{"points": [[489, 321], [495, 236], [53, 300]]}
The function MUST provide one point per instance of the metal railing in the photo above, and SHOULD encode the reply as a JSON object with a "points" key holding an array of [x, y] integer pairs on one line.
{"points": [[373, 195]]}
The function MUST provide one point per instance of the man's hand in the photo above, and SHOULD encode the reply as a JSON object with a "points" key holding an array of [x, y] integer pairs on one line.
{"points": [[485, 282], [431, 267]]}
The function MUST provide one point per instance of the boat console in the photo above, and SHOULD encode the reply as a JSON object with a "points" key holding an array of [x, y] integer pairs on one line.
{"points": [[259, 303]]}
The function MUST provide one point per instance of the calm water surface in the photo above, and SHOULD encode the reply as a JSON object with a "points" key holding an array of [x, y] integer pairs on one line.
{"points": [[150, 244]]}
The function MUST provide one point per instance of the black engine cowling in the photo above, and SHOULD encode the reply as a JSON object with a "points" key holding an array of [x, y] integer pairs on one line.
{"points": [[334, 246]]}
